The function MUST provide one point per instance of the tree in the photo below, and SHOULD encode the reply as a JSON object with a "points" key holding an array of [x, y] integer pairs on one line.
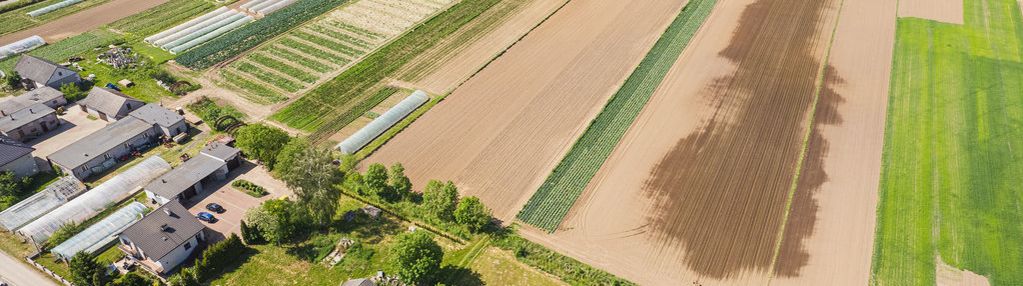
{"points": [[440, 199], [290, 153], [86, 271], [416, 257], [400, 184], [11, 185], [472, 214], [262, 142], [274, 220], [72, 92], [185, 277], [354, 182], [13, 80], [132, 279], [376, 180], [312, 175], [250, 235], [63, 233]]}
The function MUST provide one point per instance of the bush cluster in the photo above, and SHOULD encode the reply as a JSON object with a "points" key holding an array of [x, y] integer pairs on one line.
{"points": [[250, 188], [214, 260]]}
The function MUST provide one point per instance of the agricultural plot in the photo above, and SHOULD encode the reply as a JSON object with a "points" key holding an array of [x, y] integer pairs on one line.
{"points": [[199, 30], [62, 50], [18, 19], [558, 193], [950, 181], [161, 17], [325, 46]]}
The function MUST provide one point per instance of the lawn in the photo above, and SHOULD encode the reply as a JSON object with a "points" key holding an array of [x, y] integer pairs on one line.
{"points": [[146, 89], [317, 110], [558, 193], [950, 179]]}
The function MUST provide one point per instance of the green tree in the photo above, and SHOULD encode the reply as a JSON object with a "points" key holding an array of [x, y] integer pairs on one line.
{"points": [[354, 182], [376, 180], [13, 80], [400, 184], [185, 277], [274, 220], [472, 214], [416, 257], [72, 92], [86, 271], [63, 233], [262, 142], [132, 279], [250, 235], [11, 185], [312, 176], [440, 199], [290, 153]]}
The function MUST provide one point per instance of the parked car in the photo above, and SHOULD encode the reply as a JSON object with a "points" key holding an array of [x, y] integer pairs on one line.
{"points": [[214, 207], [207, 217]]}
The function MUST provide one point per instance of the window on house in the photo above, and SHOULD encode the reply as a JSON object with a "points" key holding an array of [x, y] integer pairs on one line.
{"points": [[188, 245]]}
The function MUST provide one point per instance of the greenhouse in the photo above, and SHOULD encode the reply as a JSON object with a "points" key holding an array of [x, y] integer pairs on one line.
{"points": [[199, 30], [382, 123], [56, 194], [101, 233], [54, 7], [21, 46], [96, 200], [183, 26]]}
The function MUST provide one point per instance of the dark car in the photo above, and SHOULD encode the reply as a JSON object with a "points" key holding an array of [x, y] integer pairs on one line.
{"points": [[207, 217], [214, 207]]}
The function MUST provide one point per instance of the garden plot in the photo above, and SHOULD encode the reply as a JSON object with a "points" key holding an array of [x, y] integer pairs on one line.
{"points": [[321, 48]]}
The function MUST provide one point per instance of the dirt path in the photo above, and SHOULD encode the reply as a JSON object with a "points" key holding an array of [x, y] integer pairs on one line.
{"points": [[500, 134], [83, 21]]}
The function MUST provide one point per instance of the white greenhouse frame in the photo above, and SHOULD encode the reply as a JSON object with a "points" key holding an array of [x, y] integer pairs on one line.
{"points": [[54, 7], [194, 27], [182, 26], [101, 233], [383, 122], [21, 46], [212, 34], [56, 194]]}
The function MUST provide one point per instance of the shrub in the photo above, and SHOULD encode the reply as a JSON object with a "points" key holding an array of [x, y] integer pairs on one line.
{"points": [[250, 188], [262, 142]]}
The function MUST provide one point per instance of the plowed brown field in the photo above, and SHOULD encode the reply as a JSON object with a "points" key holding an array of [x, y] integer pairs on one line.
{"points": [[948, 11], [699, 189], [501, 133]]}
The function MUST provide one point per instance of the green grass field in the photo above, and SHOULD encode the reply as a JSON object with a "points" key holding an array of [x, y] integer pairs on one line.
{"points": [[552, 201], [950, 182]]}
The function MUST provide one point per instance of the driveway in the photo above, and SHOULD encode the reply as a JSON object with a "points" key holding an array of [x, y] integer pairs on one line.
{"points": [[74, 125], [235, 202], [20, 274]]}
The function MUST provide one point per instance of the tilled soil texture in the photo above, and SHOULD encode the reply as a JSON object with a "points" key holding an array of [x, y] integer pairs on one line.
{"points": [[722, 190], [498, 135], [948, 11], [83, 21]]}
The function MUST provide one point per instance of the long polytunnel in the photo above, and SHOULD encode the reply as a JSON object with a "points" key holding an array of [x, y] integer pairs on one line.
{"points": [[376, 127], [21, 46], [100, 234], [55, 194], [54, 7], [96, 200]]}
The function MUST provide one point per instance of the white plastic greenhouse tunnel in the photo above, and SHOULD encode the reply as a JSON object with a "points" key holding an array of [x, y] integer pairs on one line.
{"points": [[54, 7], [212, 34], [101, 233], [189, 28], [56, 194], [383, 122], [186, 25], [228, 18], [21, 46], [96, 200]]}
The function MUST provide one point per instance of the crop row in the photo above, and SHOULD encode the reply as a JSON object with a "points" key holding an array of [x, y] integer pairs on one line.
{"points": [[262, 93], [549, 205], [268, 77], [162, 17], [17, 19], [329, 31], [242, 39], [311, 50], [310, 112], [282, 67], [298, 59], [329, 44]]}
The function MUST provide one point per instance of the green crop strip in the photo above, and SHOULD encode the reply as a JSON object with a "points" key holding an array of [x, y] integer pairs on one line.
{"points": [[952, 168], [549, 205]]}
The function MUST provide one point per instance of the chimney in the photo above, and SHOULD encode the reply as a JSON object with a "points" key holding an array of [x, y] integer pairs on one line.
{"points": [[167, 211]]}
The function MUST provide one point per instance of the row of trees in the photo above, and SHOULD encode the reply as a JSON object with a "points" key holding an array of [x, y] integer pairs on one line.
{"points": [[86, 270]]}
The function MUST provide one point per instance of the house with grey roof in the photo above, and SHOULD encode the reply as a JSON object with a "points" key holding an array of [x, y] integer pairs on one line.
{"points": [[192, 177], [30, 122], [38, 72], [108, 104], [45, 95], [163, 239], [103, 149], [17, 158]]}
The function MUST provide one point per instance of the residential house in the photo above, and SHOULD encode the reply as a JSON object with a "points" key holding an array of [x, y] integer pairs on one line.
{"points": [[37, 72], [193, 176], [30, 114], [50, 97], [163, 239], [17, 158], [102, 149], [108, 104]]}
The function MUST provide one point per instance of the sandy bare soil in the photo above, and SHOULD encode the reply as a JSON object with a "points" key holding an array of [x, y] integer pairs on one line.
{"points": [[699, 185], [83, 21], [469, 60], [946, 275], [948, 11], [502, 132]]}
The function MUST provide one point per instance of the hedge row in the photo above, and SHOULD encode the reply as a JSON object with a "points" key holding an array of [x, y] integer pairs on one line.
{"points": [[235, 42]]}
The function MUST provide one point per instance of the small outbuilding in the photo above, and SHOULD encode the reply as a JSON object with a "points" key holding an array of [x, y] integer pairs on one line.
{"points": [[17, 158], [29, 123], [194, 176], [108, 104], [38, 72]]}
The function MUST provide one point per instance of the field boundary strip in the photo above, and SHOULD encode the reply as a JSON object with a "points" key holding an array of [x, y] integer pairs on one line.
{"points": [[547, 208]]}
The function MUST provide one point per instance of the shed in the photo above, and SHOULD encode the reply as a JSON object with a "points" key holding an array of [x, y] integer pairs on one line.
{"points": [[41, 72], [108, 104]]}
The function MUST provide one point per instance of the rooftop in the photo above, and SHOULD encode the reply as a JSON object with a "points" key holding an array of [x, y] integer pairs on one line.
{"points": [[39, 95], [163, 230], [110, 102], [99, 142], [37, 69], [11, 150], [24, 116], [156, 114], [186, 175], [220, 151]]}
